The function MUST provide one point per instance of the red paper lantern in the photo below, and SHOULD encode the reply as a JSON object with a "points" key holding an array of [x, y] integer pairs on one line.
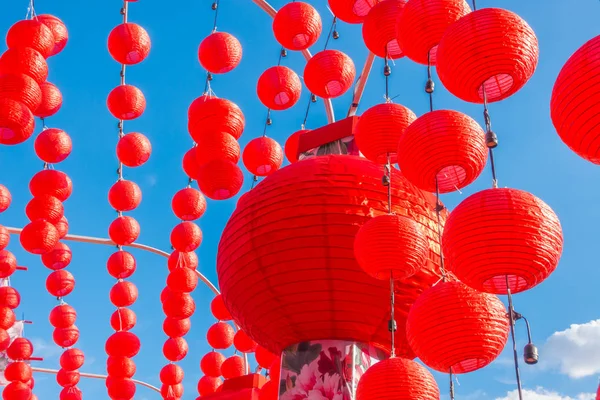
{"points": [[220, 52], [182, 280], [379, 29], [352, 11], [71, 393], [9, 297], [171, 392], [121, 264], [445, 145], [186, 236], [188, 204], [16, 391], [179, 305], [45, 207], [171, 374], [39, 237], [120, 367], [123, 319], [51, 182], [190, 164], [243, 342], [20, 349], [119, 388], [62, 227], [279, 87], [63, 316], [574, 104], [53, 145], [31, 33], [452, 327], [297, 25], [51, 101], [175, 349], [66, 337], [491, 48], [24, 61], [4, 339], [124, 230], [122, 344], [211, 364], [59, 32], [123, 294], [502, 236], [397, 379], [129, 43], [218, 309], [421, 25], [134, 149], [291, 145], [178, 259], [67, 378], [379, 129], [8, 264], [16, 122], [21, 88], [217, 146], [233, 367], [264, 357], [174, 327], [125, 195], [329, 74], [126, 102], [208, 385], [7, 318], [220, 179], [211, 115], [60, 283], [5, 198], [262, 156], [4, 235], [220, 335]]}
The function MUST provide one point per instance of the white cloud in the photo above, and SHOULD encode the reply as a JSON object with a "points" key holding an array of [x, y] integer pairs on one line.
{"points": [[45, 349], [575, 351], [543, 394]]}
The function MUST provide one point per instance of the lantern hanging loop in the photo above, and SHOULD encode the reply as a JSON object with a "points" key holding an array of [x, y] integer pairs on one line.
{"points": [[430, 85]]}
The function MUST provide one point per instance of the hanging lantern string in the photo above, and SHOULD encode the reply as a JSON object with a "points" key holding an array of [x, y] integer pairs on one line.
{"points": [[387, 71], [438, 209], [387, 181], [31, 10], [209, 77], [331, 30], [215, 7], [491, 139], [474, 5], [430, 85], [511, 316], [120, 124], [451, 384]]}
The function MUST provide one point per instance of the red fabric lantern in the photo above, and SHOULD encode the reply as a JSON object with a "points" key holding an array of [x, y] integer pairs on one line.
{"points": [[121, 264], [379, 129], [172, 392], [71, 393], [123, 319], [178, 259], [4, 235], [291, 145], [574, 104], [45, 207], [397, 379], [5, 198], [220, 179], [297, 26], [72, 359], [492, 48], [264, 357], [8, 264], [243, 343], [220, 335], [59, 32], [502, 235], [179, 305], [217, 146], [379, 29], [182, 280], [9, 297], [186, 236], [134, 149], [125, 195], [122, 344], [7, 318], [66, 337], [218, 309], [452, 327], [31, 33], [211, 364], [60, 283], [391, 246], [190, 164], [329, 74], [124, 230], [174, 327], [24, 61], [188, 204], [175, 349], [262, 156], [129, 43], [211, 115], [442, 144], [53, 145], [126, 102], [123, 294], [62, 316], [39, 237], [67, 378], [208, 385], [16, 122], [20, 349], [119, 388], [16, 391], [421, 25], [62, 227], [120, 367], [233, 367], [171, 374], [220, 52], [279, 87], [352, 11], [21, 88], [51, 101], [51, 182]]}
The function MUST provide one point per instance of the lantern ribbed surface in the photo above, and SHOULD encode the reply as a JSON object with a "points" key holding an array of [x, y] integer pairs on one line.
{"points": [[500, 234], [66, 337], [308, 268], [5, 198], [186, 236], [262, 156], [452, 326], [492, 48], [220, 179], [58, 258], [175, 349], [188, 204], [121, 264], [379, 29], [379, 129], [179, 305], [60, 283], [279, 87], [16, 122], [217, 146], [59, 32], [124, 195], [211, 363], [575, 103], [134, 149], [352, 11], [120, 367], [52, 182], [24, 61], [243, 342], [44, 207], [39, 237], [21, 88], [124, 230], [208, 385], [31, 33], [397, 379], [123, 294], [62, 316], [176, 327], [220, 336], [67, 378], [123, 319], [212, 115], [129, 43], [445, 144], [53, 145], [297, 25], [9, 297], [291, 145], [391, 246], [329, 74], [182, 280], [16, 390], [421, 25], [51, 101], [233, 367], [218, 309], [122, 344], [220, 52], [126, 102]]}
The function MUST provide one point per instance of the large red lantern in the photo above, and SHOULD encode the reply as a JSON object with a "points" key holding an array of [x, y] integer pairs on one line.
{"points": [[171, 374], [329, 73], [220, 52], [352, 11], [379, 29], [8, 263], [9, 297], [297, 25], [574, 105], [16, 122], [126, 102], [492, 49], [120, 367], [445, 145], [262, 156], [129, 43], [452, 327], [20, 349], [500, 237], [18, 371], [53, 145], [182, 280], [279, 87], [21, 88], [59, 32], [217, 146], [119, 388], [134, 149], [67, 378], [51, 101], [66, 337], [212, 115], [33, 34], [220, 179], [24, 61]]}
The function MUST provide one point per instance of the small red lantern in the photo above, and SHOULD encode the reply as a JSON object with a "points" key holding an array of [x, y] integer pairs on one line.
{"points": [[297, 25], [211, 364], [119, 388], [21, 88], [492, 49], [188, 204], [220, 52], [16, 122], [220, 179], [262, 156], [178, 259], [51, 101], [57, 258], [172, 392], [24, 61], [124, 230], [51, 182], [67, 378], [190, 164], [220, 335], [62, 227], [126, 102], [352, 11], [123, 294], [7, 318], [62, 316], [16, 391], [269, 391], [329, 73], [217, 146], [212, 115], [53, 145], [279, 87], [9, 297], [8, 264], [72, 359], [66, 337], [175, 349], [129, 43], [5, 198], [70, 393], [60, 283], [120, 367], [182, 280], [208, 385], [243, 343], [233, 367], [186, 236], [122, 344], [20, 349], [379, 29], [291, 145], [33, 34], [39, 237], [44, 207], [4, 236], [123, 319], [59, 32], [125, 195], [18, 371], [179, 305], [218, 309], [264, 357], [121, 264], [174, 327], [171, 374], [134, 149]]}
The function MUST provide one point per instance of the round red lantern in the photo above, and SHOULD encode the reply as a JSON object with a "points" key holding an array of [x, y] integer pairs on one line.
{"points": [[51, 101], [123, 294], [233, 367], [217, 146], [16, 122], [123, 319], [124, 230], [121, 264], [279, 87], [211, 115], [60, 283], [208, 385], [502, 237], [211, 364], [20, 349], [5, 198], [51, 182], [269, 391], [24, 61], [21, 88], [445, 145], [492, 49], [421, 25], [243, 343], [4, 235], [53, 145], [134, 149], [379, 29], [172, 392], [452, 327], [297, 25], [188, 204], [70, 393], [62, 316], [178, 259], [18, 371], [291, 145], [190, 164], [39, 237], [44, 207], [174, 327], [124, 195], [67, 378], [220, 335], [179, 305], [186, 236], [119, 388], [62, 227], [8, 264], [31, 33], [182, 280], [66, 337], [16, 391], [220, 179], [262, 156], [574, 104], [7, 318], [122, 344], [218, 309], [220, 52], [351, 11], [397, 379], [120, 367], [59, 32], [379, 129], [129, 43], [329, 74], [9, 297], [264, 357], [175, 349], [171, 374], [126, 102]]}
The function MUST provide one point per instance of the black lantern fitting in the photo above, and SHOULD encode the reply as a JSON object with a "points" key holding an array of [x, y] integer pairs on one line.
{"points": [[491, 140], [392, 325], [530, 354], [336, 35], [269, 121], [215, 6], [313, 98], [429, 86], [283, 53], [387, 70]]}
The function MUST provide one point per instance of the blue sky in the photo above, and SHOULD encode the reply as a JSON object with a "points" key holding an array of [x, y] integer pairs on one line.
{"points": [[530, 157]]}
